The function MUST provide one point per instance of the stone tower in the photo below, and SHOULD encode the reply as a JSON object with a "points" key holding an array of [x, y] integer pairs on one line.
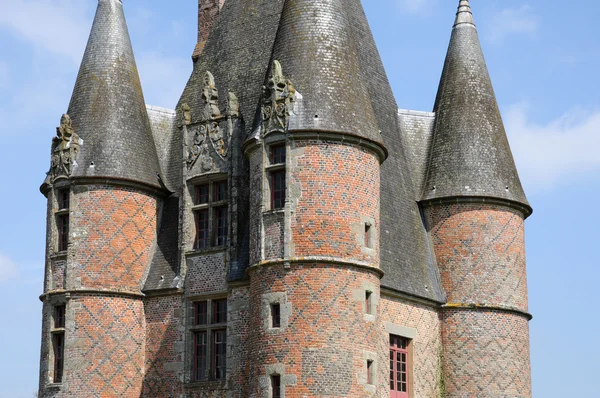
{"points": [[103, 195], [475, 209], [314, 177], [286, 230]]}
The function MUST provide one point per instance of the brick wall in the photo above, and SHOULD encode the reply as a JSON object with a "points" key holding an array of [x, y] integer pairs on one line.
{"points": [[481, 255], [427, 344], [208, 10], [320, 348]]}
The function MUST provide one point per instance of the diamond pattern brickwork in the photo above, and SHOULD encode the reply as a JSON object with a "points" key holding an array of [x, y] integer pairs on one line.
{"points": [[486, 355], [427, 345], [480, 250], [323, 346], [113, 234], [105, 346]]}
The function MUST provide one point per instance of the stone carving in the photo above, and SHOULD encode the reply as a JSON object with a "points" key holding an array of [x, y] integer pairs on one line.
{"points": [[278, 100], [65, 147], [209, 134], [187, 114]]}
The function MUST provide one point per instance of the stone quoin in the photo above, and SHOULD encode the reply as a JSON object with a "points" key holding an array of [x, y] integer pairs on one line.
{"points": [[286, 230]]}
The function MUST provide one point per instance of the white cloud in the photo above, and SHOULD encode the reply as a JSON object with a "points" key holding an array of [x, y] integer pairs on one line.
{"points": [[562, 150], [522, 20], [416, 6], [8, 269], [58, 26]]}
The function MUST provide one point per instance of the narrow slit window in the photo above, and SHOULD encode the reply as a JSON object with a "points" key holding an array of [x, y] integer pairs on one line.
{"points": [[369, 372], [63, 232], [276, 315], [276, 386], [59, 316], [368, 302], [368, 235], [59, 356], [63, 199]]}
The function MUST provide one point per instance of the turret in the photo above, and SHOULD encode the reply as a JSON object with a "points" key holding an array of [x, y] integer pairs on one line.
{"points": [[475, 209], [315, 160], [103, 190]]}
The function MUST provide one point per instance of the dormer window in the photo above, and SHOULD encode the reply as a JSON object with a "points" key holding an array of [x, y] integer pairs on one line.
{"points": [[211, 214]]}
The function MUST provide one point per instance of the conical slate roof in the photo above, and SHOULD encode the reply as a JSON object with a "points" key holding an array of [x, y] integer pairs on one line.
{"points": [[107, 107], [318, 52], [470, 155]]}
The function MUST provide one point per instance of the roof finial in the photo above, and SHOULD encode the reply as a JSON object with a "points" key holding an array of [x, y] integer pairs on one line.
{"points": [[464, 14]]}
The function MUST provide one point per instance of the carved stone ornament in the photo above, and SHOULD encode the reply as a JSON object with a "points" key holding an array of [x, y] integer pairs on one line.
{"points": [[208, 134], [65, 147], [279, 96]]}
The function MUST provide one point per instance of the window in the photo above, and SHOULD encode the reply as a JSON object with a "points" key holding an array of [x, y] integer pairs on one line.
{"points": [[209, 340], [62, 219], [58, 343], [210, 203], [277, 176], [276, 315], [370, 372], [399, 367], [368, 235], [368, 302], [276, 386]]}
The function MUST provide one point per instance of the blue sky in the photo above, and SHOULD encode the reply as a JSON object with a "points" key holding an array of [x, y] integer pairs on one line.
{"points": [[543, 57]]}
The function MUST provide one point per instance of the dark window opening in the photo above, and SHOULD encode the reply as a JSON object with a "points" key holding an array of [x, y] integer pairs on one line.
{"points": [[367, 235], [219, 311], [59, 316], [221, 225], [63, 199], [200, 346], [220, 353], [211, 215], [59, 355], [200, 313], [278, 154], [368, 302], [369, 372], [275, 315], [276, 386], [202, 231], [399, 367], [278, 188], [63, 232]]}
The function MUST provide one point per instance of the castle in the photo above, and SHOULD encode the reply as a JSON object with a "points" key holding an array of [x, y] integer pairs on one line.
{"points": [[287, 231]]}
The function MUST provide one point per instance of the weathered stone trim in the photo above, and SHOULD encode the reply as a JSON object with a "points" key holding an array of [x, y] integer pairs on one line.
{"points": [[402, 331], [317, 260], [108, 181], [525, 209], [387, 292], [483, 307], [91, 292], [163, 292]]}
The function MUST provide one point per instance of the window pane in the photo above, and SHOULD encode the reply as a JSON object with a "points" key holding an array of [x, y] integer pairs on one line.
{"points": [[219, 311], [201, 194], [200, 356], [276, 315], [276, 386], [59, 350], [63, 199], [63, 232], [220, 191], [278, 154], [278, 189], [59, 316], [202, 233], [221, 225], [220, 353], [201, 313]]}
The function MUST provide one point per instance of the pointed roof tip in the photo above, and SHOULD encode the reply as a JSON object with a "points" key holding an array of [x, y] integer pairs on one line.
{"points": [[464, 15], [317, 50], [107, 106]]}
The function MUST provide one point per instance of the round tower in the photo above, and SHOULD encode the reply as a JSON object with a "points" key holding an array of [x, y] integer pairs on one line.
{"points": [[103, 195], [475, 209], [314, 169]]}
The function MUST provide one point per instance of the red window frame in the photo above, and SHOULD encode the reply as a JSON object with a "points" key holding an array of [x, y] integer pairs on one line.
{"points": [[275, 315], [219, 313], [278, 154], [200, 313], [399, 367], [202, 194], [59, 356], [200, 355], [220, 191], [276, 386]]}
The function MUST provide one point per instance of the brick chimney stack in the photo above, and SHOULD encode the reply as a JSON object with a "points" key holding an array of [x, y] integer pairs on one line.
{"points": [[208, 11]]}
